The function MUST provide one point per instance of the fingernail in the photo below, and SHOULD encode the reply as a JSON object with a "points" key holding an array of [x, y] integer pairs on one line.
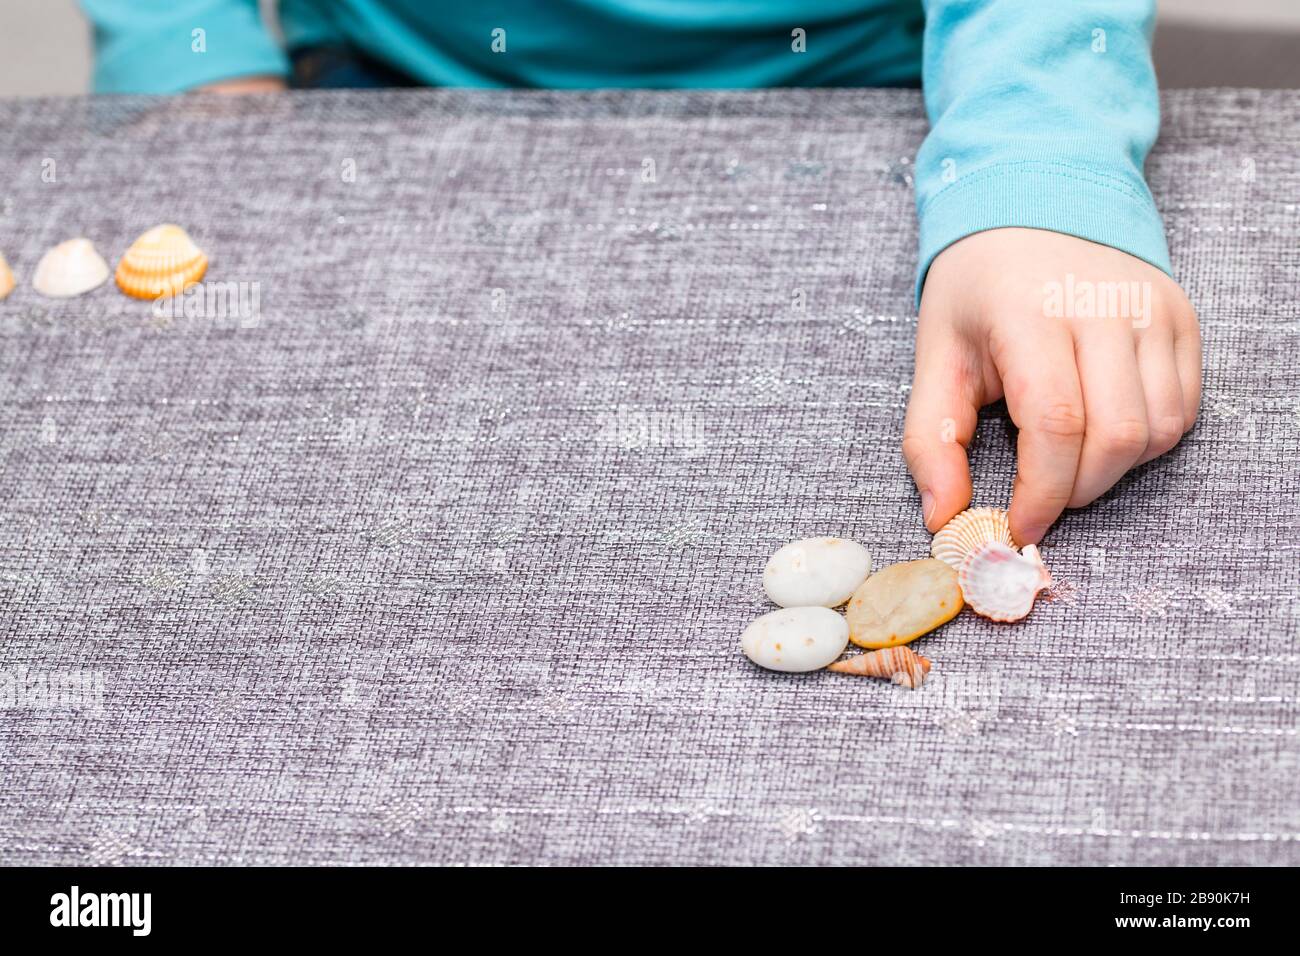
{"points": [[927, 506], [1034, 534]]}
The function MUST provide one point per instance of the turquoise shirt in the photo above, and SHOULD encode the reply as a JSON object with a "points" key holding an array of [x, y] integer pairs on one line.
{"points": [[1042, 111]]}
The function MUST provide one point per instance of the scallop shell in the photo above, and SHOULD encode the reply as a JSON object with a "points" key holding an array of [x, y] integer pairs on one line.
{"points": [[164, 262], [70, 268], [1001, 584], [6, 278], [901, 665], [966, 532]]}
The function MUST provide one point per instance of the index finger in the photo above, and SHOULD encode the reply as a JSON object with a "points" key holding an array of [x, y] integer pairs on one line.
{"points": [[1041, 385], [941, 419]]}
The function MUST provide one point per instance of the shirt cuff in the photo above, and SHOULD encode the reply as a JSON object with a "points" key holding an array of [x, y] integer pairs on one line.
{"points": [[163, 60], [1055, 196]]}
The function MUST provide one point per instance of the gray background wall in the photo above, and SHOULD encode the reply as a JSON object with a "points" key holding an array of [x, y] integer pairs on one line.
{"points": [[45, 45]]}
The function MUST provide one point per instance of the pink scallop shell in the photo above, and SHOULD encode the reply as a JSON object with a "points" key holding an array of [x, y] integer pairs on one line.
{"points": [[1001, 584]]}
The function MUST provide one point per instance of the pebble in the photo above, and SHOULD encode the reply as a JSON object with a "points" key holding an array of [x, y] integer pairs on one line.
{"points": [[899, 603], [796, 639], [816, 572]]}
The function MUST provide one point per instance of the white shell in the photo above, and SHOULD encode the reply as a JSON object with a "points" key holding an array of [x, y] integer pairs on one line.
{"points": [[1001, 584], [816, 572], [967, 531], [70, 268], [796, 639]]}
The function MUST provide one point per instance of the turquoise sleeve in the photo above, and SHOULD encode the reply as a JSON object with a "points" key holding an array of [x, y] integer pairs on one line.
{"points": [[166, 46], [1041, 114]]}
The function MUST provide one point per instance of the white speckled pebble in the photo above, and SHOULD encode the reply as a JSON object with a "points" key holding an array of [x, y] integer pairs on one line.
{"points": [[796, 639], [816, 572]]}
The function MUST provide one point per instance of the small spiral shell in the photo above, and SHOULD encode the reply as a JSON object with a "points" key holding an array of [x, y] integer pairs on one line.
{"points": [[900, 665]]}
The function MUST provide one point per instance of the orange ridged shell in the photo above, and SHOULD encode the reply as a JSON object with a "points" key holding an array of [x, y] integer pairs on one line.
{"points": [[966, 532], [162, 263]]}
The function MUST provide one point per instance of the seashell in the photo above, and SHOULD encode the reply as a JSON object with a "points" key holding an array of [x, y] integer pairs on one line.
{"points": [[164, 262], [796, 639], [6, 278], [70, 268], [816, 572], [901, 665], [966, 532], [1001, 584], [901, 602]]}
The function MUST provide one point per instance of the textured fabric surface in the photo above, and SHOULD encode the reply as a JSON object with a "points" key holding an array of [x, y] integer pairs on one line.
{"points": [[440, 554]]}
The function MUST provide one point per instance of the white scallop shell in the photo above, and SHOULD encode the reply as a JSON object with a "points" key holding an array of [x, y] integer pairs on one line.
{"points": [[816, 572], [796, 639], [966, 532], [1001, 584], [70, 268], [6, 278]]}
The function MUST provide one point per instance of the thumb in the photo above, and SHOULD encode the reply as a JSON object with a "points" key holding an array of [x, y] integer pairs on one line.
{"points": [[941, 418]]}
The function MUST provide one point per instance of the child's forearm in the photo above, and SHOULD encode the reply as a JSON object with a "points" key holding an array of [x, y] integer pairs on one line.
{"points": [[1042, 114], [166, 46]]}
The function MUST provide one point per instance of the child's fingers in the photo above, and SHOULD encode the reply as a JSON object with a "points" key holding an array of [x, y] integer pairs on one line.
{"points": [[1187, 356], [1114, 406], [941, 417], [1043, 396], [1162, 390]]}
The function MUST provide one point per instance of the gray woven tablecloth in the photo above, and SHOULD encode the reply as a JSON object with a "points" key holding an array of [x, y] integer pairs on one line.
{"points": [[439, 551]]}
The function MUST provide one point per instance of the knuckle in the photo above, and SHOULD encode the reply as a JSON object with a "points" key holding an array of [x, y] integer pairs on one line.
{"points": [[1180, 307], [1081, 501], [1045, 493], [914, 447], [1192, 408], [1062, 420], [1164, 433], [1017, 387], [1123, 438]]}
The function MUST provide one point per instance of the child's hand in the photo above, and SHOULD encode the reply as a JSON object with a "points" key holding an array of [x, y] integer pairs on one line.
{"points": [[247, 84], [1003, 314]]}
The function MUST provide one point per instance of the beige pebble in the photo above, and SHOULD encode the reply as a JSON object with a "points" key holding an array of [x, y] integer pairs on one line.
{"points": [[903, 601]]}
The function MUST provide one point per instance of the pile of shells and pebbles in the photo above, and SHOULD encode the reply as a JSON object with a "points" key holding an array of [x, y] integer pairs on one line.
{"points": [[162, 263], [974, 562]]}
